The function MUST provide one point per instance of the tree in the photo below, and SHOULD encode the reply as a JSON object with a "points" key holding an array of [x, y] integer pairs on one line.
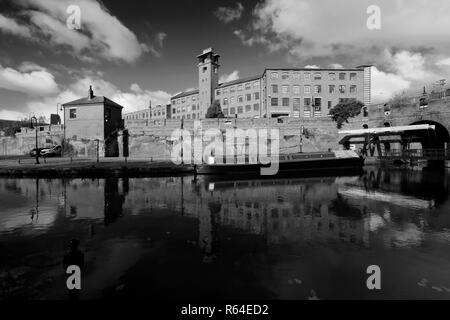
{"points": [[341, 112], [214, 111], [399, 100]]}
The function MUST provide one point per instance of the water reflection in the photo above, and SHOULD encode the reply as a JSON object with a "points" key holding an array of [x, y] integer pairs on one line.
{"points": [[252, 233]]}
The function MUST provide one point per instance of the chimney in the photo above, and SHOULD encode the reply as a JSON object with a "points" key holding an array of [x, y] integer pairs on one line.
{"points": [[90, 93]]}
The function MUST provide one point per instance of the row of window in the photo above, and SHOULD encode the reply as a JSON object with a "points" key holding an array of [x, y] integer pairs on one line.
{"points": [[240, 87], [185, 109], [185, 100], [240, 99], [240, 109], [285, 89], [307, 76], [307, 102], [187, 116]]}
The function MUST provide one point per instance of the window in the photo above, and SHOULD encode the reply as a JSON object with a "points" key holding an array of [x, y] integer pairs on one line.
{"points": [[225, 101], [224, 91], [285, 75], [342, 89], [285, 102], [217, 94], [231, 89], [307, 76], [331, 88], [317, 76], [296, 76], [353, 89], [239, 88], [274, 102], [248, 97], [285, 89], [174, 110], [296, 89], [193, 107], [193, 116], [183, 109], [194, 98], [274, 88], [241, 99], [240, 109], [353, 76], [341, 76], [307, 89], [232, 100], [182, 100], [232, 110], [107, 114], [307, 103], [274, 75], [330, 104], [188, 116], [256, 106], [72, 113], [332, 76], [225, 111], [296, 104], [256, 84], [205, 69], [317, 89], [248, 86], [317, 102], [256, 95], [248, 108]]}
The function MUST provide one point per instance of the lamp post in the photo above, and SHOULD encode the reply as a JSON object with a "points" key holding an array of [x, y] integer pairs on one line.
{"points": [[36, 131]]}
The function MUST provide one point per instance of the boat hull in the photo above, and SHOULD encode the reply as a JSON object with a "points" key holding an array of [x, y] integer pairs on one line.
{"points": [[316, 162]]}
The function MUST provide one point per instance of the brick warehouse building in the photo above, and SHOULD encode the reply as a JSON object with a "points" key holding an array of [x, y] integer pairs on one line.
{"points": [[292, 92]]}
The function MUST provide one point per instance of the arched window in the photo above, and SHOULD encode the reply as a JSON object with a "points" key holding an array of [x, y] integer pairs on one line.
{"points": [[365, 112], [387, 124], [365, 126]]}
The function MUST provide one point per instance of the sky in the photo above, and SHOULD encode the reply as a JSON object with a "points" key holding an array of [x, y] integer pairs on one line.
{"points": [[135, 51]]}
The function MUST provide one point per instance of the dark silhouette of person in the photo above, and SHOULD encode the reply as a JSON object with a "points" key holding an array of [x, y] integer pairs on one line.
{"points": [[73, 257]]}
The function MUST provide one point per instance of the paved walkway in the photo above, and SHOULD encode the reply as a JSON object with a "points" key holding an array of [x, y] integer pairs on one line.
{"points": [[89, 167]]}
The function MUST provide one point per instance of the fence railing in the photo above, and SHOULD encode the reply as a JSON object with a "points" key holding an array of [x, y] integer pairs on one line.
{"points": [[427, 154]]}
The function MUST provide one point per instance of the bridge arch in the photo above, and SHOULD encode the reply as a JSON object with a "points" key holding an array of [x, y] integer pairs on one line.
{"points": [[433, 139]]}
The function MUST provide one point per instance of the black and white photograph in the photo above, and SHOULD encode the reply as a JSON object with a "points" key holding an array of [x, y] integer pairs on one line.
{"points": [[226, 155]]}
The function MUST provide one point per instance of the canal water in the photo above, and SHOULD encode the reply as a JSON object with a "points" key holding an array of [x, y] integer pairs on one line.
{"points": [[180, 238]]}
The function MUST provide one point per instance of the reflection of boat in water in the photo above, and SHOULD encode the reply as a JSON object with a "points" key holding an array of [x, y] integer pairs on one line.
{"points": [[296, 162]]}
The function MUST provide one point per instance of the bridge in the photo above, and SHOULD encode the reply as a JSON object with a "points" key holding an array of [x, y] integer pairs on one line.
{"points": [[430, 110]]}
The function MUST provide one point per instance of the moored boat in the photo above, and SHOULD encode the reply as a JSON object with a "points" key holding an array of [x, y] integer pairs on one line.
{"points": [[295, 162]]}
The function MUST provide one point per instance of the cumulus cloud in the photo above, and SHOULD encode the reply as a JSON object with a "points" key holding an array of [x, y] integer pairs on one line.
{"points": [[102, 35], [228, 14], [229, 77], [134, 99], [325, 32], [29, 78], [9, 25]]}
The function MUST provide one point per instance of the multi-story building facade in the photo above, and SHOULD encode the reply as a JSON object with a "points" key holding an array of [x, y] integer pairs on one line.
{"points": [[152, 113], [306, 92]]}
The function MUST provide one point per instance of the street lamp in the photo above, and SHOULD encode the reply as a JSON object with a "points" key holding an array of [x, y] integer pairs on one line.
{"points": [[36, 130]]}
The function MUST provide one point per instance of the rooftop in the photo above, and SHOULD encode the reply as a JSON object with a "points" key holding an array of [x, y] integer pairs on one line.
{"points": [[94, 100]]}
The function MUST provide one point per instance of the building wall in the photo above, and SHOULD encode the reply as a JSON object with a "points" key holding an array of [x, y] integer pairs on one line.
{"points": [[292, 92], [186, 107], [89, 122], [240, 99], [137, 115], [114, 122]]}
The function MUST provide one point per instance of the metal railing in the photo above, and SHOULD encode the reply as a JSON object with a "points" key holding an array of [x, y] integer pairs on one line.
{"points": [[427, 154]]}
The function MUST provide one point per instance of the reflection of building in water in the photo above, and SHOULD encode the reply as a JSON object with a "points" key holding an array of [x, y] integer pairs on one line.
{"points": [[281, 210]]}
